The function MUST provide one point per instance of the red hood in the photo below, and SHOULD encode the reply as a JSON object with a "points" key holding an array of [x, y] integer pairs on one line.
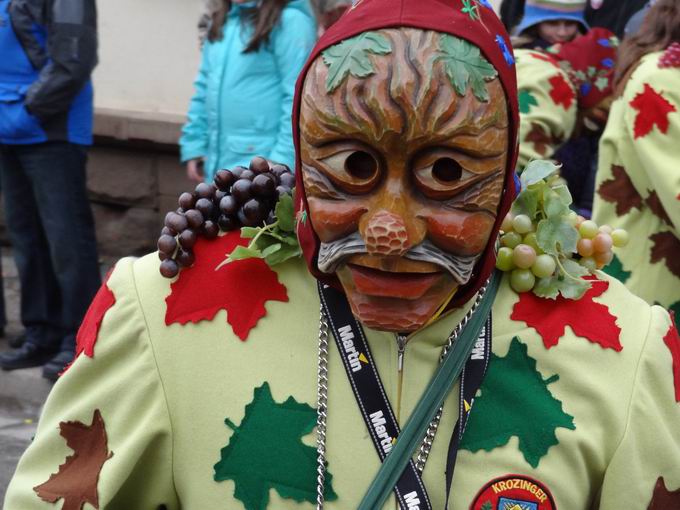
{"points": [[447, 16]]}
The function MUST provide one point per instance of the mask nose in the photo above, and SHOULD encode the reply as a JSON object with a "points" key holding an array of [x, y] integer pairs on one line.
{"points": [[386, 234]]}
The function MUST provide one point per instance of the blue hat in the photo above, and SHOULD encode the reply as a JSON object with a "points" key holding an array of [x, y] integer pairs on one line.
{"points": [[538, 11]]}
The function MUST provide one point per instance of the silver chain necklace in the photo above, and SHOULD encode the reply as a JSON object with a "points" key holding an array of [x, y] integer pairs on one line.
{"points": [[322, 398]]}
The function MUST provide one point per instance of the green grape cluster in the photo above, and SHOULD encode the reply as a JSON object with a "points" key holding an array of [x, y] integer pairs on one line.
{"points": [[546, 247]]}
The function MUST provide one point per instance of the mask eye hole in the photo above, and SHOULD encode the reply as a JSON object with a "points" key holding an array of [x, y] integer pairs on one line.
{"points": [[361, 165], [447, 170]]}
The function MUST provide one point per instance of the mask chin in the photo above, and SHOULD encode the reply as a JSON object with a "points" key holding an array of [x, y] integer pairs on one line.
{"points": [[397, 302]]}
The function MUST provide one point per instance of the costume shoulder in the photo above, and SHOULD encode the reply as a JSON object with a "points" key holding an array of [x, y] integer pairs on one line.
{"points": [[547, 102], [101, 416]]}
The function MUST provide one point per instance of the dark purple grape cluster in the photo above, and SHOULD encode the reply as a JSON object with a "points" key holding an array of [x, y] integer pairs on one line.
{"points": [[238, 197]]}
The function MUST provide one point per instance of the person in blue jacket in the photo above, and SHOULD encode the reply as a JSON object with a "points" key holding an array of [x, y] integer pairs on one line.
{"points": [[48, 49], [244, 89]]}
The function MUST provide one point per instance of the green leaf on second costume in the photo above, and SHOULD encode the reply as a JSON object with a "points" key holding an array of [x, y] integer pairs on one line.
{"points": [[615, 269], [465, 65], [351, 57], [515, 401], [526, 101], [266, 452]]}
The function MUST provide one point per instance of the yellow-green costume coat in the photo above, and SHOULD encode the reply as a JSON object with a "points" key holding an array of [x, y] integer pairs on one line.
{"points": [[164, 393], [544, 123], [638, 181]]}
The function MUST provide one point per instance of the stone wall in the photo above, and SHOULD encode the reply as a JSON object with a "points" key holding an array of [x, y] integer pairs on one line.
{"points": [[131, 189]]}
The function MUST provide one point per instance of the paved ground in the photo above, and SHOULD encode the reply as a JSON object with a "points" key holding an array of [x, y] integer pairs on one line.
{"points": [[22, 392]]}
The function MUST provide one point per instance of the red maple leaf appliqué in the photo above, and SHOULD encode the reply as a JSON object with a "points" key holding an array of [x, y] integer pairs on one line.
{"points": [[561, 92], [88, 331], [653, 109], [672, 341], [586, 318], [241, 287]]}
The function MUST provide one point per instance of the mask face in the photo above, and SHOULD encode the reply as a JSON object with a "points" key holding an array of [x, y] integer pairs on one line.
{"points": [[403, 177]]}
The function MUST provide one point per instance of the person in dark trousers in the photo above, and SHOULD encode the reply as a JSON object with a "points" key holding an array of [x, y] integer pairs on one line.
{"points": [[49, 49]]}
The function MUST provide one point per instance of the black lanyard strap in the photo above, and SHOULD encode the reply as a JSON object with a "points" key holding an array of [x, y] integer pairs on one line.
{"points": [[370, 394], [432, 399]]}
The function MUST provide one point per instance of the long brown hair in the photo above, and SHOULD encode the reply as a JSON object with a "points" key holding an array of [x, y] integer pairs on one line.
{"points": [[263, 19], [660, 28]]}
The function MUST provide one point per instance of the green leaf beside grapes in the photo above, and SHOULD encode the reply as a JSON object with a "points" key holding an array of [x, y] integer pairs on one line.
{"points": [[556, 236], [276, 242], [540, 238], [536, 171]]}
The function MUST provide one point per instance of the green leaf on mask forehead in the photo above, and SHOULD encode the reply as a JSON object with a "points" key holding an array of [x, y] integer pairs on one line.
{"points": [[351, 57], [465, 65], [536, 171]]}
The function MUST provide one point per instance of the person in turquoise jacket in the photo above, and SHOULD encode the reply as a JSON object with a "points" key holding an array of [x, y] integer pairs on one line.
{"points": [[245, 85]]}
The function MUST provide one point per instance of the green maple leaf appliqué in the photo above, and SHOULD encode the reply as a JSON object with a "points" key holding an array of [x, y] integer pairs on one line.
{"points": [[515, 401], [487, 505], [526, 101], [615, 269], [265, 452], [351, 57], [465, 65]]}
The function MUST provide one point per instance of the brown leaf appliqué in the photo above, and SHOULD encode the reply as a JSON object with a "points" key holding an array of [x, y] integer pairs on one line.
{"points": [[654, 203], [541, 139], [667, 246], [663, 499], [620, 191], [76, 480]]}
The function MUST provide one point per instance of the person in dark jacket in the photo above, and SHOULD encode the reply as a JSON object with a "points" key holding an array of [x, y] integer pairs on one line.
{"points": [[49, 49], [612, 14]]}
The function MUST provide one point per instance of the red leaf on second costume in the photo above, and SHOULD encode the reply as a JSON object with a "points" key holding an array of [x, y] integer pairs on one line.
{"points": [[653, 110], [545, 58], [241, 287], [88, 332], [586, 318], [561, 92], [672, 341]]}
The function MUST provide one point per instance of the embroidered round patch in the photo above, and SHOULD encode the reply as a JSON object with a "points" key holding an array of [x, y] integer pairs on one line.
{"points": [[514, 492]]}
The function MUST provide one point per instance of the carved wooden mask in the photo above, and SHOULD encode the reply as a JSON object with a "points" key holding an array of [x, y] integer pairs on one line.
{"points": [[403, 170]]}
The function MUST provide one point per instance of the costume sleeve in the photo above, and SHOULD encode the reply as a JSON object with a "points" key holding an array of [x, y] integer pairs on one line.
{"points": [[104, 436], [652, 122], [292, 41], [194, 140], [650, 447], [547, 107], [72, 51]]}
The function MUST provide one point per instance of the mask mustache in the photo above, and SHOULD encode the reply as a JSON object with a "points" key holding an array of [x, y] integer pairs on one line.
{"points": [[331, 256]]}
